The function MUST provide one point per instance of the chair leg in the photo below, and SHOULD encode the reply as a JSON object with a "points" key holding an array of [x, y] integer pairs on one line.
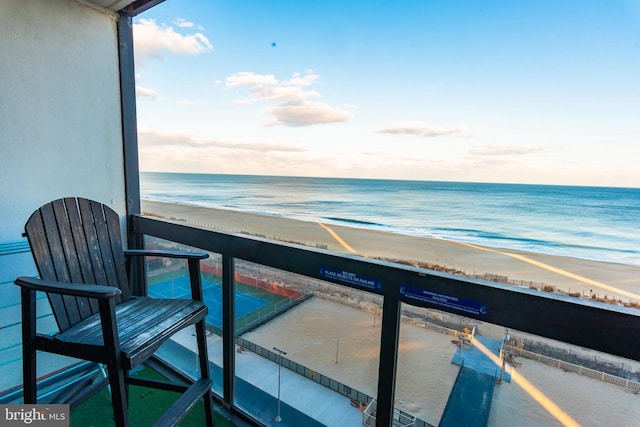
{"points": [[126, 385], [29, 376], [118, 395], [203, 355], [30, 391]]}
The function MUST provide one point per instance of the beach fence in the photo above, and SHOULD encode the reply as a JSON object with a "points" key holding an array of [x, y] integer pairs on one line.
{"points": [[626, 383], [520, 283], [261, 316], [253, 281], [265, 314], [345, 390], [400, 419], [357, 398], [254, 319], [438, 328]]}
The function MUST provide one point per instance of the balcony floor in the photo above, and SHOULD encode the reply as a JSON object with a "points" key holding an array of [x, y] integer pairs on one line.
{"points": [[146, 405]]}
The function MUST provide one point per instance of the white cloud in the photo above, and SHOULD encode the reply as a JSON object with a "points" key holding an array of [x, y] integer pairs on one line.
{"points": [[276, 94], [149, 139], [299, 80], [293, 108], [186, 102], [250, 79], [425, 130], [183, 23], [146, 92], [305, 113], [505, 150], [151, 40]]}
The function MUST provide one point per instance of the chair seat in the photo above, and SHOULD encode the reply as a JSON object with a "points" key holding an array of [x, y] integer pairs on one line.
{"points": [[144, 323]]}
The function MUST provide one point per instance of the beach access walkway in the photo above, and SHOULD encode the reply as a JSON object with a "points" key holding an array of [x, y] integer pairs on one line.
{"points": [[303, 401], [470, 400]]}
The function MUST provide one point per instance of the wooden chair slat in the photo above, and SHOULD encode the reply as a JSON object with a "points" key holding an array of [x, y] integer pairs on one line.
{"points": [[70, 253], [40, 249], [52, 231], [104, 244], [113, 227], [63, 243], [91, 237], [80, 242], [151, 315]]}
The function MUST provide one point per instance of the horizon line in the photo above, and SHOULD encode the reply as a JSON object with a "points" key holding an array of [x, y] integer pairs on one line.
{"points": [[397, 179]]}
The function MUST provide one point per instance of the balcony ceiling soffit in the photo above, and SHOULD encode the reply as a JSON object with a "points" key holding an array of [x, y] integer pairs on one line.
{"points": [[114, 5], [132, 7]]}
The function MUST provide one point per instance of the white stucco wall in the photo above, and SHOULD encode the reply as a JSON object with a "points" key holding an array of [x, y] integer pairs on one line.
{"points": [[60, 125], [60, 135]]}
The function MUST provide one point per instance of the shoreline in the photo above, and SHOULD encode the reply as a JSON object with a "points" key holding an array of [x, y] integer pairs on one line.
{"points": [[570, 275]]}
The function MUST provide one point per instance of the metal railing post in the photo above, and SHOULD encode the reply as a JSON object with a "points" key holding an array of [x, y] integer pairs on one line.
{"points": [[228, 328]]}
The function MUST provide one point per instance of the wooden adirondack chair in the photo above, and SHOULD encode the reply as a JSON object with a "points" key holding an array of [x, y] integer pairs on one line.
{"points": [[77, 247]]}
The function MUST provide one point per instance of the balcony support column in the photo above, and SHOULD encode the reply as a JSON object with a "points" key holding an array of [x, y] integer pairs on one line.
{"points": [[388, 358], [129, 115]]}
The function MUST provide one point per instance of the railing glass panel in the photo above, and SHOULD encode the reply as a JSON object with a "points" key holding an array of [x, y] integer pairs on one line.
{"points": [[169, 278], [307, 351], [454, 370]]}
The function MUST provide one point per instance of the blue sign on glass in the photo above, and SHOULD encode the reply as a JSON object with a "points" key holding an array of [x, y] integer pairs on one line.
{"points": [[443, 300], [351, 278]]}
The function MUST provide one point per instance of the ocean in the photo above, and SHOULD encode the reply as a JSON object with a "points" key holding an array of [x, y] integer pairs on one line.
{"points": [[596, 223]]}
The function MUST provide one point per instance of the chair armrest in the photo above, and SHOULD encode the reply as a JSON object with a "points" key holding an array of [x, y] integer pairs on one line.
{"points": [[166, 254], [193, 259], [65, 288]]}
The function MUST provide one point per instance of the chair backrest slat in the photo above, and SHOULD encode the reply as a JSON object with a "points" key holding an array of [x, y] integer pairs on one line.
{"points": [[91, 237], [53, 226], [119, 263], [71, 258], [38, 241], [77, 241], [80, 246], [104, 245]]}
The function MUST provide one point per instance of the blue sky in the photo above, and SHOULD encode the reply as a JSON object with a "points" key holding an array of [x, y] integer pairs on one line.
{"points": [[493, 91]]}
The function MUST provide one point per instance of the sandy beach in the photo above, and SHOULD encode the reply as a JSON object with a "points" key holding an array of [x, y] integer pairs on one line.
{"points": [[319, 332], [425, 376], [568, 274]]}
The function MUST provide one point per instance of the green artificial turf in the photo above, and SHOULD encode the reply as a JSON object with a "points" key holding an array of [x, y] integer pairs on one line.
{"points": [[146, 405]]}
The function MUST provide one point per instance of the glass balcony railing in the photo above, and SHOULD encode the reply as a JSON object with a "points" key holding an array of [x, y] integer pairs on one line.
{"points": [[303, 336]]}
